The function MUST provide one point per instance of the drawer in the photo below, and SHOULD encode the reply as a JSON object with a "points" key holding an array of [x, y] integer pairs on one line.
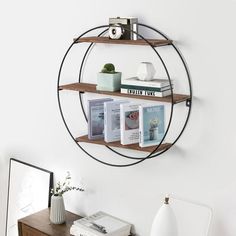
{"points": [[28, 231]]}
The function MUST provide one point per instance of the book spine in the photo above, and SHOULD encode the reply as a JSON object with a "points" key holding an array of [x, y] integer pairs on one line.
{"points": [[89, 120], [122, 124], [105, 122], [140, 126], [127, 86], [146, 92]]}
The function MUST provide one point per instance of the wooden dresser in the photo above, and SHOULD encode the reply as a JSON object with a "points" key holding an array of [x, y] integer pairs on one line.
{"points": [[38, 224]]}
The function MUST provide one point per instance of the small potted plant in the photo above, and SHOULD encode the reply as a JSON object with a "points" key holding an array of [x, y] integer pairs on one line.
{"points": [[57, 212], [108, 79], [153, 131]]}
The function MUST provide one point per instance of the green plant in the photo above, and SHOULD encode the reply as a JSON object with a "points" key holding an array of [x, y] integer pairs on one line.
{"points": [[108, 68], [63, 187]]}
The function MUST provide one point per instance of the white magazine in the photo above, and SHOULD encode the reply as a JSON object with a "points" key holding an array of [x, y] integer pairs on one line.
{"points": [[100, 224], [151, 124], [129, 123], [112, 120]]}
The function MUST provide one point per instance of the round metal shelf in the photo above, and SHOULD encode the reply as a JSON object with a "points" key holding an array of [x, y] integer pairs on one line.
{"points": [[188, 102]]}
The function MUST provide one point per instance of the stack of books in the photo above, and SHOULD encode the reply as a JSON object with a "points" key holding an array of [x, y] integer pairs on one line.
{"points": [[154, 87], [100, 224]]}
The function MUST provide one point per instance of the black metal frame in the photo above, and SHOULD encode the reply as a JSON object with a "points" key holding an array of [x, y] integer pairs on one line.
{"points": [[188, 102], [50, 184]]}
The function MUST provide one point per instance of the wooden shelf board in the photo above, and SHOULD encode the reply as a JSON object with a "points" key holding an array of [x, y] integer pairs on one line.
{"points": [[91, 88], [106, 40], [136, 147]]}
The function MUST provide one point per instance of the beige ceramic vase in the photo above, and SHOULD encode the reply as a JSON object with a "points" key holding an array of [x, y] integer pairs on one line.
{"points": [[57, 211]]}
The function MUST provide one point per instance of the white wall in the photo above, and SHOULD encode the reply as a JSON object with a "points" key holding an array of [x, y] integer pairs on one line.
{"points": [[34, 37]]}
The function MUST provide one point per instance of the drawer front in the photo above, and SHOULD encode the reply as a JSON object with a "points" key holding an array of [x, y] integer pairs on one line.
{"points": [[28, 231]]}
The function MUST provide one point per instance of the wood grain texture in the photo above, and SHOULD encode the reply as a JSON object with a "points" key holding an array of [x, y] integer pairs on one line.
{"points": [[91, 88], [38, 224], [141, 42], [29, 231], [135, 146]]}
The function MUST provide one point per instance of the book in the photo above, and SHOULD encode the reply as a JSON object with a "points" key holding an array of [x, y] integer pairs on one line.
{"points": [[129, 123], [157, 89], [146, 83], [100, 224], [78, 231], [146, 92], [151, 124], [96, 118], [112, 120]]}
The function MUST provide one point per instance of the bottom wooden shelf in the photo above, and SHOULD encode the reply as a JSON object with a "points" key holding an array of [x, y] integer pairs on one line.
{"points": [[135, 146]]}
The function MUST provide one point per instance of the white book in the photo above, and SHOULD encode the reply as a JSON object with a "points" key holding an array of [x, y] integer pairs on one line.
{"points": [[129, 123], [112, 120], [96, 118], [151, 124], [100, 224], [78, 231], [149, 83], [146, 92]]}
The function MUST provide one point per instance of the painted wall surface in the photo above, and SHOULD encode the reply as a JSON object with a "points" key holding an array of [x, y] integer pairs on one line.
{"points": [[201, 167]]}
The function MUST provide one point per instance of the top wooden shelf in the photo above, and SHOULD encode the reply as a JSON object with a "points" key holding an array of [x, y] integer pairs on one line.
{"points": [[106, 40], [91, 88]]}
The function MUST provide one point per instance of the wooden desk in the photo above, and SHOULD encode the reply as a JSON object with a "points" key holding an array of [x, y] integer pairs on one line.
{"points": [[38, 224]]}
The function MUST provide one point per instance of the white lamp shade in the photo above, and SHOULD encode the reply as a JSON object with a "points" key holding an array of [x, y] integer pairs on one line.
{"points": [[164, 223]]}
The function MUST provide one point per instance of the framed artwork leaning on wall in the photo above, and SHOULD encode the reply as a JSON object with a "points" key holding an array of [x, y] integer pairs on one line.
{"points": [[28, 192]]}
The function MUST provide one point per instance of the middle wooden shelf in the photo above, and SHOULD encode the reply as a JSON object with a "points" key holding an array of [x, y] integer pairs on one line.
{"points": [[91, 88], [135, 146]]}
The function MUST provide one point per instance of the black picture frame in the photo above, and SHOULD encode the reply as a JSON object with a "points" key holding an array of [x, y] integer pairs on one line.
{"points": [[29, 188]]}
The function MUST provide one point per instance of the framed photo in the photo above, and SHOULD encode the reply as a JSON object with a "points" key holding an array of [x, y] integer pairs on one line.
{"points": [[28, 192]]}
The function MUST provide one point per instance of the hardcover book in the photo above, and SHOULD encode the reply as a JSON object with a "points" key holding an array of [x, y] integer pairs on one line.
{"points": [[151, 124], [112, 120], [129, 123], [148, 83], [96, 118], [100, 224], [157, 89], [146, 92]]}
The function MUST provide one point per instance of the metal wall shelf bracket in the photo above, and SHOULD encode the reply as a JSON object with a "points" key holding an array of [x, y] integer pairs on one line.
{"points": [[188, 102]]}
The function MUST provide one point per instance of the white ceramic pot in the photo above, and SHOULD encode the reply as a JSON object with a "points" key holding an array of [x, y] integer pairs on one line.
{"points": [[146, 71], [57, 212]]}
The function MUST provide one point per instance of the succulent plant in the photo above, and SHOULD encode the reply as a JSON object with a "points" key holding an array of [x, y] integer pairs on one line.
{"points": [[108, 68]]}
